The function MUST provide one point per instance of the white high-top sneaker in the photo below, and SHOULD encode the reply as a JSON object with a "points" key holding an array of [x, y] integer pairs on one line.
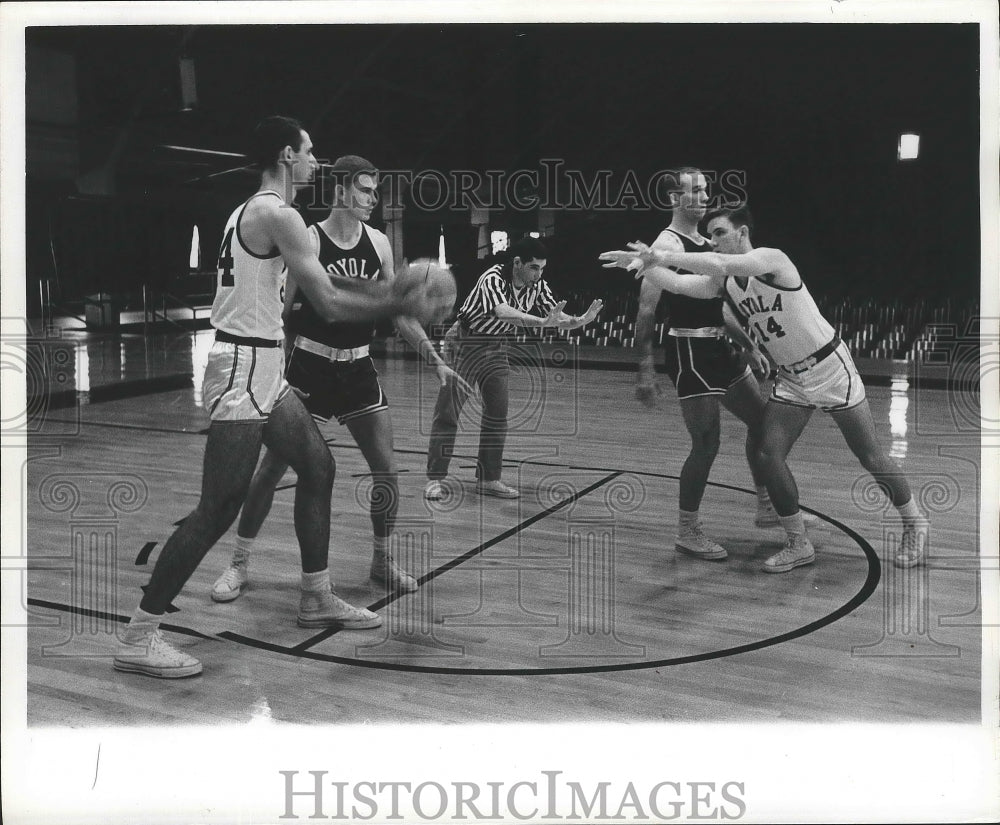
{"points": [[798, 550], [324, 608], [143, 650]]}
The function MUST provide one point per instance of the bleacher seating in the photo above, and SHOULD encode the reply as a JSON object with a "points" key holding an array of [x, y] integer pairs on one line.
{"points": [[886, 330]]}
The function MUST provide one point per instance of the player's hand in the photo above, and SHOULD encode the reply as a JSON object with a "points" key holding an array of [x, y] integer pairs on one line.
{"points": [[446, 374], [634, 259], [300, 393], [449, 350], [758, 363], [647, 389], [621, 259], [556, 317]]}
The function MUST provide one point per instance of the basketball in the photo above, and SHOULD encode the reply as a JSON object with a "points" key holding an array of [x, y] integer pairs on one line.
{"points": [[439, 290]]}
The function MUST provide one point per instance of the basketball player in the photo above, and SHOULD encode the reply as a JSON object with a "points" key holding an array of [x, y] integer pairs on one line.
{"points": [[506, 296], [815, 369], [249, 401], [704, 368], [329, 363]]}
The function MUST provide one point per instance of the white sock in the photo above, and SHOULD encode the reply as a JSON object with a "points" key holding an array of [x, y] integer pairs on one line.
{"points": [[316, 582], [381, 545], [687, 519], [141, 625], [910, 512], [763, 499], [244, 547], [793, 525], [141, 615]]}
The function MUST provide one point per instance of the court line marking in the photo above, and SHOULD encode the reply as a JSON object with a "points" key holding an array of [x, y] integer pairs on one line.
{"points": [[117, 617], [859, 598], [863, 594], [464, 557]]}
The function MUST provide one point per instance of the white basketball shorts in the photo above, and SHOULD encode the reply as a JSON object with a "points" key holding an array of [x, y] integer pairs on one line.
{"points": [[832, 384], [243, 383]]}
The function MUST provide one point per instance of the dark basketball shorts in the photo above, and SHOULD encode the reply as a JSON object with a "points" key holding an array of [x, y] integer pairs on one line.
{"points": [[336, 389], [702, 366]]}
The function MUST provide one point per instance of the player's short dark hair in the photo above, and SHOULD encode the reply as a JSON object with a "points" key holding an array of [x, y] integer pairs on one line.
{"points": [[669, 182], [271, 136], [738, 216], [345, 170], [528, 248]]}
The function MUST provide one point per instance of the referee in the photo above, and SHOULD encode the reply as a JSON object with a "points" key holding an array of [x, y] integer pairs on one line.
{"points": [[506, 296]]}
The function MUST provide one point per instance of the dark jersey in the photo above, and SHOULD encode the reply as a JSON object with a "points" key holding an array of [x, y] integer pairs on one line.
{"points": [[684, 312], [361, 261]]}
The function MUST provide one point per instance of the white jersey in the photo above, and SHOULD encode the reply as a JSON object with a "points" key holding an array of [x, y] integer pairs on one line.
{"points": [[249, 288], [785, 321]]}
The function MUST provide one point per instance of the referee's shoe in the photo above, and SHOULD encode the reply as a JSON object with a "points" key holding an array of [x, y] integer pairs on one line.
{"points": [[496, 488]]}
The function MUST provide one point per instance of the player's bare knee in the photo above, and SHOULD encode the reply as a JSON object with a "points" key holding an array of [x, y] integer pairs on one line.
{"points": [[876, 461], [705, 440], [319, 473], [770, 455], [218, 513], [272, 468]]}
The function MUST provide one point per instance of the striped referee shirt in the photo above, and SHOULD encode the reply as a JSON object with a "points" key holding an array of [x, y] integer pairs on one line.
{"points": [[493, 289]]}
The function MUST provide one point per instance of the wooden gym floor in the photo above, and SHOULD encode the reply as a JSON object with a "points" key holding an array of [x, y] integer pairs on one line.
{"points": [[569, 604]]}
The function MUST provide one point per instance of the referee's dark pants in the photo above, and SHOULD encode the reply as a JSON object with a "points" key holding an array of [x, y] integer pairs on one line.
{"points": [[484, 364]]}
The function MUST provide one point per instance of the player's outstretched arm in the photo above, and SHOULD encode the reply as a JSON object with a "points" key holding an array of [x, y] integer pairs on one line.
{"points": [[711, 268], [753, 264], [367, 300], [639, 255], [631, 260], [694, 286]]}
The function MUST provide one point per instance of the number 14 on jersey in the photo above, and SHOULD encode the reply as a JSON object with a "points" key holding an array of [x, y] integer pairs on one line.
{"points": [[773, 327], [225, 264]]}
